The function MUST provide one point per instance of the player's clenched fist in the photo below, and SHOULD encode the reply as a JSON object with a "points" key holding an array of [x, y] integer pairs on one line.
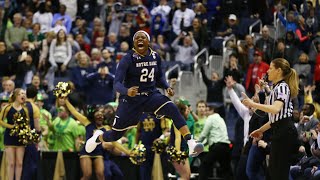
{"points": [[132, 92]]}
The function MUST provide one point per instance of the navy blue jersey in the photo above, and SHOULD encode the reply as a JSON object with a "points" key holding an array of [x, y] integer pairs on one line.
{"points": [[150, 128], [30, 111], [137, 70]]}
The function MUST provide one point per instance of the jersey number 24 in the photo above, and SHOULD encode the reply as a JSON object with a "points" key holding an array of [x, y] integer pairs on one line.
{"points": [[146, 74]]}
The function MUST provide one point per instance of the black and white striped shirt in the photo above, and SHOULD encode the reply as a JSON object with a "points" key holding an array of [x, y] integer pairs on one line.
{"points": [[281, 92]]}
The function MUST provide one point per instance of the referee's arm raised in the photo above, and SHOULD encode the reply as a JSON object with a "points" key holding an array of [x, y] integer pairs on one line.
{"points": [[274, 108]]}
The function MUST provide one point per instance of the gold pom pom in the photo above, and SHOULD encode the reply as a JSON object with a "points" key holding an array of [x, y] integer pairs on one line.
{"points": [[158, 146], [62, 89], [138, 154], [176, 156], [22, 130]]}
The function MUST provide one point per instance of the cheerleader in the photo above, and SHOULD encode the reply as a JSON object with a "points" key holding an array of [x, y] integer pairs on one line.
{"points": [[96, 157], [149, 129], [176, 139], [13, 148]]}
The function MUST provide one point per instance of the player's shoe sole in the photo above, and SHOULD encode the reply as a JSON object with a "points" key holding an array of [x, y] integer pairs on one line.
{"points": [[92, 143]]}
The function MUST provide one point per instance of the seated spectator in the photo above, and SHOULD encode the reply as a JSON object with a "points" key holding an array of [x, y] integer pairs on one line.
{"points": [[303, 69], [200, 33], [58, 26], [97, 26], [246, 52], [5, 61], [229, 28], [81, 28], [142, 20], [98, 43], [100, 87], [201, 14], [161, 47], [185, 53], [84, 46], [74, 44], [60, 52], [44, 17], [130, 22], [164, 9], [224, 30], [124, 48], [312, 20], [36, 36], [63, 17], [291, 47], [266, 44], [36, 82], [16, 34], [112, 44], [307, 121], [79, 73], [124, 35], [24, 70], [95, 57], [182, 19], [8, 87], [233, 69], [256, 71], [107, 61], [309, 99], [157, 25], [281, 51], [27, 24], [44, 54], [304, 35]]}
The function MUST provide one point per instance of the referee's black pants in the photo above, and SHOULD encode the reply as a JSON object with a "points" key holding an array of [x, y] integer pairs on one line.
{"points": [[284, 146]]}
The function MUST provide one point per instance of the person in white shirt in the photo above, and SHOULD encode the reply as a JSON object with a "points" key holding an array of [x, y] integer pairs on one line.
{"points": [[182, 18], [43, 17]]}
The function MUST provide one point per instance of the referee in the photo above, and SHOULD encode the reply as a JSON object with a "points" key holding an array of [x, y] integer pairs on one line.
{"points": [[279, 108]]}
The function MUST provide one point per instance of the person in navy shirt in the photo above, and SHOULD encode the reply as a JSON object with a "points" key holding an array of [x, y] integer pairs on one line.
{"points": [[100, 86], [137, 77]]}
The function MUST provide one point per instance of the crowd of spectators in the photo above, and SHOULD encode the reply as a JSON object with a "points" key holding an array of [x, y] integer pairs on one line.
{"points": [[43, 42]]}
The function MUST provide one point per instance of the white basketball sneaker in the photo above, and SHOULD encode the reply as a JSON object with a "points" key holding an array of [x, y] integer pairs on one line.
{"points": [[92, 143]]}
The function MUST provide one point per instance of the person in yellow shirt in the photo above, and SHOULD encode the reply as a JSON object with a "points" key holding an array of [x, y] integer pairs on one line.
{"points": [[308, 99]]}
